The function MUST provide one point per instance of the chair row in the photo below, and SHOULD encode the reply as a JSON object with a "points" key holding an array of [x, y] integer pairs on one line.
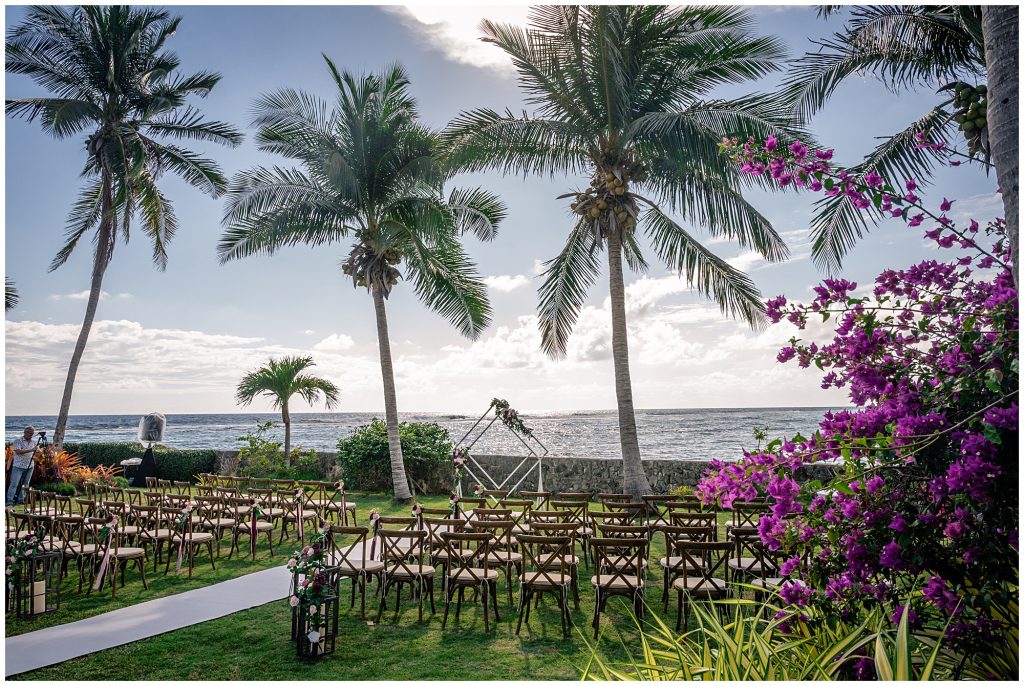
{"points": [[545, 561]]}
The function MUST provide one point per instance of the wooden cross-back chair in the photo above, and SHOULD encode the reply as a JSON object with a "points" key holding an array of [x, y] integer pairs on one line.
{"points": [[75, 546], [402, 553], [605, 498], [469, 567], [438, 552], [348, 555], [119, 556], [655, 509], [707, 577], [240, 512], [673, 565], [154, 530], [501, 555], [334, 505], [616, 561], [187, 539], [546, 570], [570, 562], [578, 511], [214, 517], [539, 498], [750, 559]]}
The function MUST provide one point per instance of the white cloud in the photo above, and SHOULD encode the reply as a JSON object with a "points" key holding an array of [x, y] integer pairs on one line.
{"points": [[84, 295], [309, 332], [335, 343], [455, 30], [81, 295], [538, 267], [505, 283]]}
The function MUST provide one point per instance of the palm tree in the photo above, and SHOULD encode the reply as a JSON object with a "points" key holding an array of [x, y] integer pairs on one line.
{"points": [[11, 296], [111, 79], [1001, 27], [622, 95], [369, 173], [279, 380], [904, 46]]}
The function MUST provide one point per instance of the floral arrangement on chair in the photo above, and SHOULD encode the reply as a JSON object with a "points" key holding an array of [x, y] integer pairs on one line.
{"points": [[22, 549], [510, 417], [453, 505]]}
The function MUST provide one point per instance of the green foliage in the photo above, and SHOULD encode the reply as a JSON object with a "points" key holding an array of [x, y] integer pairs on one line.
{"points": [[173, 464], [629, 95], [680, 491], [366, 460], [121, 482], [57, 487], [745, 640], [368, 172], [261, 457]]}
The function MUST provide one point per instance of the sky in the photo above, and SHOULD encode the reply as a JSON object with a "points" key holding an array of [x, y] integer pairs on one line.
{"points": [[178, 341]]}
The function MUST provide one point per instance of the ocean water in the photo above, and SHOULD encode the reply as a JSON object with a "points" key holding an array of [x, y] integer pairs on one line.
{"points": [[690, 434]]}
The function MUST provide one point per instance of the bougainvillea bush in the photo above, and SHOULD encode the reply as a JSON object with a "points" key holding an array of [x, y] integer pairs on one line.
{"points": [[926, 506]]}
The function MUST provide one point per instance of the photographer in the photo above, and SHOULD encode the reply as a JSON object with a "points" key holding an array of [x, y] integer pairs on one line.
{"points": [[23, 466]]}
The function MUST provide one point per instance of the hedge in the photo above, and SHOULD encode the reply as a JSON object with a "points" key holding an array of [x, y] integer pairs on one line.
{"points": [[176, 465]]}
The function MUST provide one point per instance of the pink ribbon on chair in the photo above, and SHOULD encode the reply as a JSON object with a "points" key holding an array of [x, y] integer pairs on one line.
{"points": [[298, 514], [252, 530], [187, 513], [375, 530], [111, 532]]}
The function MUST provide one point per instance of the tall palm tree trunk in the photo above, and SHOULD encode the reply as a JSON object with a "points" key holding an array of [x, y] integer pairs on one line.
{"points": [[1002, 36], [398, 478], [101, 259], [287, 419], [634, 480]]}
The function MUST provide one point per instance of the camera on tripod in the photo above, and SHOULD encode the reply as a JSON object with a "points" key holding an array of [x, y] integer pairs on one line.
{"points": [[42, 435]]}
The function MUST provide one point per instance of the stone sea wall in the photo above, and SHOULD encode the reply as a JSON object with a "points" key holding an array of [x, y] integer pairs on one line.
{"points": [[560, 473]]}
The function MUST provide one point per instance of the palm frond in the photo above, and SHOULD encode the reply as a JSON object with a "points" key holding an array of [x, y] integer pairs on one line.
{"points": [[445, 280], [477, 211], [709, 274], [566, 280], [837, 225]]}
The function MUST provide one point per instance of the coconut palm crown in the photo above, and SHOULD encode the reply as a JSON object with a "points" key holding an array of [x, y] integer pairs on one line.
{"points": [[110, 78], [368, 173], [279, 380], [623, 95], [904, 47]]}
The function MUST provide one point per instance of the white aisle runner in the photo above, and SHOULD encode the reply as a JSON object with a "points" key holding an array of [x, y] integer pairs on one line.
{"points": [[45, 647]]}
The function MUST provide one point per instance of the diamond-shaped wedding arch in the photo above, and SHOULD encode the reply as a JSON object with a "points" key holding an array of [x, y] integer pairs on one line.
{"points": [[505, 416]]}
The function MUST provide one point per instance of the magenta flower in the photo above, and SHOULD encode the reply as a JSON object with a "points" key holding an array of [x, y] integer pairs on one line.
{"points": [[891, 555], [771, 143]]}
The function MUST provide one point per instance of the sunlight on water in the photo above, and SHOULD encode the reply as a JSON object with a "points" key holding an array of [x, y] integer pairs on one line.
{"points": [[695, 434]]}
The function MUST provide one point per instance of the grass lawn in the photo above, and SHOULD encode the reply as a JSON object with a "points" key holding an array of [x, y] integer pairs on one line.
{"points": [[255, 644]]}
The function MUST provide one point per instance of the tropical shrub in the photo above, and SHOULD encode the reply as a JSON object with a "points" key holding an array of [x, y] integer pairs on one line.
{"points": [[746, 640], [927, 507], [54, 465], [365, 459], [173, 464], [261, 457]]}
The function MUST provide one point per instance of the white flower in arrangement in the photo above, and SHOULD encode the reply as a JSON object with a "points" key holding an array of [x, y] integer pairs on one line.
{"points": [[312, 609], [294, 601], [313, 636], [292, 562]]}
